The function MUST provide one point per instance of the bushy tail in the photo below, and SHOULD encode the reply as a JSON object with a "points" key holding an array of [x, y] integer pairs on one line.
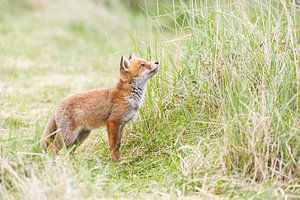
{"points": [[48, 133]]}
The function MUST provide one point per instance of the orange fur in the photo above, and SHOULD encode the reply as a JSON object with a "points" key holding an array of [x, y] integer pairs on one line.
{"points": [[78, 114]]}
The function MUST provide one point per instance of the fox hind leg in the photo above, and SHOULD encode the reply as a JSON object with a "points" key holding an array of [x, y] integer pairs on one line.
{"points": [[82, 136], [68, 137], [71, 137], [80, 139]]}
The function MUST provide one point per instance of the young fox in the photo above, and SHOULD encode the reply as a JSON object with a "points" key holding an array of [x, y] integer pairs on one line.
{"points": [[78, 114]]}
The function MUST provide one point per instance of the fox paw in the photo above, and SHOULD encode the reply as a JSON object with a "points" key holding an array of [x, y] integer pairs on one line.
{"points": [[115, 156]]}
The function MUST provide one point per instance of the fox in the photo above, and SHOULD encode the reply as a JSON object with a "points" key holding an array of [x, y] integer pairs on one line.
{"points": [[77, 115]]}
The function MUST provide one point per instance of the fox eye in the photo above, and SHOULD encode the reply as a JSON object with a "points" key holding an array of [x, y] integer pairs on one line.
{"points": [[142, 65]]}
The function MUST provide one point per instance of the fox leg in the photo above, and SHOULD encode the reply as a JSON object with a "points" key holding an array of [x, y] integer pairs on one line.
{"points": [[82, 136], [71, 137], [114, 130], [68, 136]]}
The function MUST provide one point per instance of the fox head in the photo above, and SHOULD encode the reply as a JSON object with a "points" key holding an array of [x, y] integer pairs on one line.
{"points": [[136, 69]]}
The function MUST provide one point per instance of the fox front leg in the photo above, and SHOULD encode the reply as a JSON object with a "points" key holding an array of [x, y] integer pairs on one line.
{"points": [[114, 130]]}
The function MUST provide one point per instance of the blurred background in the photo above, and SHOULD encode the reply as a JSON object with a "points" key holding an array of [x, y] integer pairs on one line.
{"points": [[49, 48]]}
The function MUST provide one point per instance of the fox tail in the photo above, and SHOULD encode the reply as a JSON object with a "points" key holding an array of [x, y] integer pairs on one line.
{"points": [[48, 133]]}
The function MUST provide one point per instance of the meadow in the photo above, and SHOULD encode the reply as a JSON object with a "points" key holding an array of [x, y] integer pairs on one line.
{"points": [[221, 119]]}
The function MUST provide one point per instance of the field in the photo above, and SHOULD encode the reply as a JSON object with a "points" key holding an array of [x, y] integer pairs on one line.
{"points": [[221, 119]]}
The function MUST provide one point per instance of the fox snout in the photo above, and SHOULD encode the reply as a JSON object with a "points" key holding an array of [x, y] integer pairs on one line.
{"points": [[154, 68]]}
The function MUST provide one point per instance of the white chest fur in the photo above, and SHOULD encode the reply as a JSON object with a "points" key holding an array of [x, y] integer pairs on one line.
{"points": [[130, 114], [135, 100]]}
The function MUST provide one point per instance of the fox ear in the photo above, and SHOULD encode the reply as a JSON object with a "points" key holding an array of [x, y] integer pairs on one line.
{"points": [[124, 65], [132, 56]]}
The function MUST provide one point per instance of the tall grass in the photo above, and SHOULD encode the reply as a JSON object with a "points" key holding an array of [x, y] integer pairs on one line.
{"points": [[227, 97], [220, 120]]}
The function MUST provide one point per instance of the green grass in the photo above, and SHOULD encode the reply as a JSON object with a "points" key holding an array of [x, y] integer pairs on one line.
{"points": [[220, 120]]}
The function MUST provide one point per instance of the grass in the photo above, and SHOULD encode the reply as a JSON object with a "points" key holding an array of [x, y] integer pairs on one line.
{"points": [[220, 120]]}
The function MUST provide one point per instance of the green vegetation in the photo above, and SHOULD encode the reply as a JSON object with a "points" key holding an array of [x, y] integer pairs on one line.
{"points": [[220, 120]]}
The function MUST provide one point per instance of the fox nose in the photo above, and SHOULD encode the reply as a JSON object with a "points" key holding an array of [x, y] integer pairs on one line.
{"points": [[156, 62]]}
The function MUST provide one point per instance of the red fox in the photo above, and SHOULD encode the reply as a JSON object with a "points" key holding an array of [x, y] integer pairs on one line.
{"points": [[78, 114]]}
